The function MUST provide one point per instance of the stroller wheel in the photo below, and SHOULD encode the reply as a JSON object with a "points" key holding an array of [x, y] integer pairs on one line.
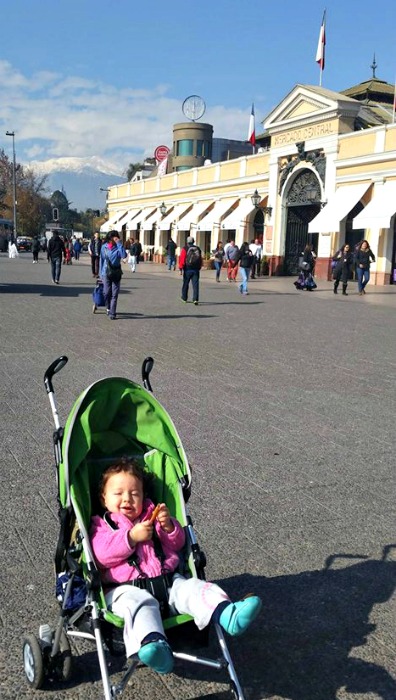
{"points": [[62, 663], [33, 661]]}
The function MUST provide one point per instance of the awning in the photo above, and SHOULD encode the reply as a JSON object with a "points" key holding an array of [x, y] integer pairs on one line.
{"points": [[177, 212], [214, 216], [337, 208], [132, 225], [192, 217], [237, 217], [379, 211], [126, 218], [110, 223], [151, 219]]}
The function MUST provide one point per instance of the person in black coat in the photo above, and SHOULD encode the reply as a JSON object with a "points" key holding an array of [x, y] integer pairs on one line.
{"points": [[344, 263], [35, 249]]}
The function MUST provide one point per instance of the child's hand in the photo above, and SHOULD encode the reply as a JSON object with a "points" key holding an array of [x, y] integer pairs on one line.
{"points": [[164, 518], [142, 532]]}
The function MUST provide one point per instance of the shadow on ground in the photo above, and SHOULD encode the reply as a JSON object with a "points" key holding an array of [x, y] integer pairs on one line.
{"points": [[309, 625], [300, 647]]}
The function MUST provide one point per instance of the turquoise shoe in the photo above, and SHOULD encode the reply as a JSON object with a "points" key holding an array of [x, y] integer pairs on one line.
{"points": [[157, 655], [237, 617]]}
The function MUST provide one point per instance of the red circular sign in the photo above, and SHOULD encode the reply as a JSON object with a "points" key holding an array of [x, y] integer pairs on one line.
{"points": [[161, 152]]}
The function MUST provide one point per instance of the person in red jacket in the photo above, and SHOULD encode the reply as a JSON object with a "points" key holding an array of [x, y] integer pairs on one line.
{"points": [[190, 263]]}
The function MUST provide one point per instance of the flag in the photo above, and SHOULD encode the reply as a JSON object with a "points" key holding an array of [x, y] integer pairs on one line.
{"points": [[252, 129], [394, 104], [320, 51]]}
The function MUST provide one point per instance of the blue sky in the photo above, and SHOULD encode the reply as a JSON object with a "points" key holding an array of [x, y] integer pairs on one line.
{"points": [[107, 78]]}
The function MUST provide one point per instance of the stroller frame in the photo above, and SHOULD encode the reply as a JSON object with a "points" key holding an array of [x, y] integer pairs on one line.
{"points": [[49, 655]]}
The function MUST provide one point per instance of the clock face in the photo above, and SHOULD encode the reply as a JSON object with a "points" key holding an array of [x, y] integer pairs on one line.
{"points": [[193, 107]]}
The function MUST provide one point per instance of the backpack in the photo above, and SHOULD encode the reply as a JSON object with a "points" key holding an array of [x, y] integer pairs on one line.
{"points": [[113, 272], [194, 258]]}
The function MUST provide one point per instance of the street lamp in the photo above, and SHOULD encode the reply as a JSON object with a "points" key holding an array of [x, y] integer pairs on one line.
{"points": [[256, 199], [12, 133], [163, 209]]}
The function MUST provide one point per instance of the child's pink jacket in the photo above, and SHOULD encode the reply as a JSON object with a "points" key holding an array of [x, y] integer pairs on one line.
{"points": [[112, 548]]}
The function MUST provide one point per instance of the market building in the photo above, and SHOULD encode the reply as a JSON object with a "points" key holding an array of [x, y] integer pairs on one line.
{"points": [[325, 173]]}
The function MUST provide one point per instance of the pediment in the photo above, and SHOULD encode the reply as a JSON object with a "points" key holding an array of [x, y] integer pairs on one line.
{"points": [[308, 104]]}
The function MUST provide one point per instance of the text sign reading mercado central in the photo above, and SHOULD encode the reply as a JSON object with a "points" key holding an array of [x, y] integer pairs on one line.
{"points": [[304, 133]]}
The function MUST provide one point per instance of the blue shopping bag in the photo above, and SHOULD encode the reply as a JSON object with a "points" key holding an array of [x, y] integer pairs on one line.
{"points": [[97, 294]]}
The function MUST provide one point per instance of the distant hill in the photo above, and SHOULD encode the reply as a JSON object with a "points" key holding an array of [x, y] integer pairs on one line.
{"points": [[80, 179]]}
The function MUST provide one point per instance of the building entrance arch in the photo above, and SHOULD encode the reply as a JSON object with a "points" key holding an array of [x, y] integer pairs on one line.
{"points": [[303, 203]]}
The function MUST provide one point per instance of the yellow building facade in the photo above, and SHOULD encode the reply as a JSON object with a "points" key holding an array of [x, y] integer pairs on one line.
{"points": [[320, 181]]}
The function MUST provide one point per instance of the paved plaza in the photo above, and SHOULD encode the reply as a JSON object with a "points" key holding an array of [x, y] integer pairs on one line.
{"points": [[285, 403]]}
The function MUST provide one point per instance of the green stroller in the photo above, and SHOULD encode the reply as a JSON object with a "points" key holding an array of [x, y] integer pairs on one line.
{"points": [[111, 419]]}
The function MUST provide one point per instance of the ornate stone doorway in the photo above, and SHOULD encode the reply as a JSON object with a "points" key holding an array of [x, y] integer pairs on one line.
{"points": [[303, 204]]}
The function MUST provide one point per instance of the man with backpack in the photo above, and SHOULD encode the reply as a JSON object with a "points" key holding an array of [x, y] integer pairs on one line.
{"points": [[190, 263]]}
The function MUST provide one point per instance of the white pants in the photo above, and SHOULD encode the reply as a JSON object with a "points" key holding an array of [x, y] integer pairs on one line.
{"points": [[132, 262], [141, 613]]}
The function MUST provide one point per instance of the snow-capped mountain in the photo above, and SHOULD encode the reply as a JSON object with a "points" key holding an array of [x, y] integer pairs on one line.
{"points": [[80, 179]]}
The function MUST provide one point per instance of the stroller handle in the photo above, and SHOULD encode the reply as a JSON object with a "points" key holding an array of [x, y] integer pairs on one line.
{"points": [[147, 366], [55, 367]]}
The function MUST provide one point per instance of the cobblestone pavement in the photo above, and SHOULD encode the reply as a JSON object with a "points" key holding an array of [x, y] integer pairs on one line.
{"points": [[285, 402]]}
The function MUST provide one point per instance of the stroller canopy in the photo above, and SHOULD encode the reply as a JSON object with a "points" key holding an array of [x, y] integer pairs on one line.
{"points": [[111, 419]]}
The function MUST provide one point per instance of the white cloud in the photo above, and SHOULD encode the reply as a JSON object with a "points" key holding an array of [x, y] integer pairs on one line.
{"points": [[63, 116]]}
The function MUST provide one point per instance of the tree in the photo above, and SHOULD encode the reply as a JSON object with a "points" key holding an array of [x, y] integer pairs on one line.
{"points": [[133, 168]]}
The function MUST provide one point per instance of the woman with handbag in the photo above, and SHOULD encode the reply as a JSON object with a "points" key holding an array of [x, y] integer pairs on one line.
{"points": [[343, 260], [306, 265], [111, 255]]}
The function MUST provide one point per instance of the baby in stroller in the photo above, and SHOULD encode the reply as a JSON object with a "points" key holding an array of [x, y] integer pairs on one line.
{"points": [[135, 544], [123, 566]]}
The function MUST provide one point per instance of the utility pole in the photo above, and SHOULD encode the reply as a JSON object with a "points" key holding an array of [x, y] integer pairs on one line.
{"points": [[12, 133]]}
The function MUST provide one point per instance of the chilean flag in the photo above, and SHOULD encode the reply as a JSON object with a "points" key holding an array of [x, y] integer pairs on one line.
{"points": [[320, 51], [252, 129]]}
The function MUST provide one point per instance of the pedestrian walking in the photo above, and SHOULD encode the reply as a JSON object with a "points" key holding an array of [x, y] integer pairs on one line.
{"points": [[257, 251], [246, 260], [94, 251], [55, 252], [232, 255], [35, 249], [343, 259], [111, 255], [306, 266], [190, 263], [77, 248], [363, 257], [218, 258], [12, 250], [171, 254]]}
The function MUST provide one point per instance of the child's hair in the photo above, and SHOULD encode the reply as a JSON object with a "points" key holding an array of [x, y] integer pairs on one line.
{"points": [[130, 466]]}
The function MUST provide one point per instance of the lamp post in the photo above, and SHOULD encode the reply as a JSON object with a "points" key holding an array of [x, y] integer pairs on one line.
{"points": [[256, 199], [12, 133]]}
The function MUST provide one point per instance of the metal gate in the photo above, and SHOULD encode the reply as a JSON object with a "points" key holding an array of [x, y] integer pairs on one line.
{"points": [[297, 236], [303, 204]]}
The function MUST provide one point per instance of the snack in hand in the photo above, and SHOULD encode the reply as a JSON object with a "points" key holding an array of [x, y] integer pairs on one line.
{"points": [[154, 514]]}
